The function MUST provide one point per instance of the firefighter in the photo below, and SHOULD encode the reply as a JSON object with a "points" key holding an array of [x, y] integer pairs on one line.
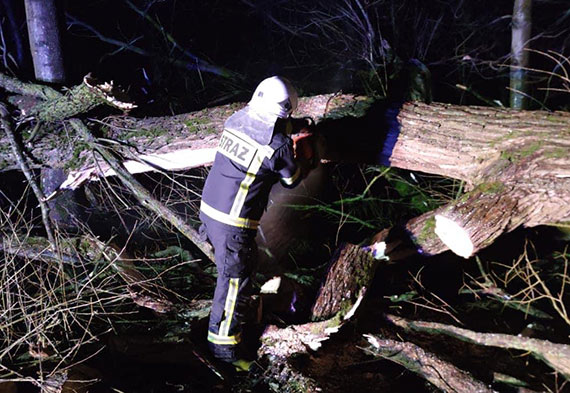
{"points": [[254, 152]]}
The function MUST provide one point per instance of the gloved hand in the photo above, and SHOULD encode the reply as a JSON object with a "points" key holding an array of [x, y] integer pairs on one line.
{"points": [[303, 146]]}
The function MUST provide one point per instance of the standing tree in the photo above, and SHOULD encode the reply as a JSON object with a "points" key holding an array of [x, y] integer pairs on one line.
{"points": [[45, 44], [519, 55]]}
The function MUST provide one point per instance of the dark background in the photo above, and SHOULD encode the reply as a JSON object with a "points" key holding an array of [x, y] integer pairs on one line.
{"points": [[322, 45]]}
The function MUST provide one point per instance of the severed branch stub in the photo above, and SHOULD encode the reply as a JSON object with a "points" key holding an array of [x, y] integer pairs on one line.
{"points": [[441, 374]]}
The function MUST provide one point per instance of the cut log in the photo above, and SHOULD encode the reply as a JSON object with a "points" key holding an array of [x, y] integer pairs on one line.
{"points": [[283, 348], [347, 280], [468, 225], [443, 375], [555, 355], [516, 165]]}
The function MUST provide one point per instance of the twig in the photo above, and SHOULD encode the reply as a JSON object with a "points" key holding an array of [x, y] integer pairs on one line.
{"points": [[7, 126], [201, 64], [195, 64]]}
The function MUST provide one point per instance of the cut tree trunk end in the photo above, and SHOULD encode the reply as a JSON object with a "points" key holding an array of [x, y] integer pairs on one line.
{"points": [[284, 348], [350, 274]]}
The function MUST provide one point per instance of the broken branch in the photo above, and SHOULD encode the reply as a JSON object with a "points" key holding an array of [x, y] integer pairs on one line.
{"points": [[441, 374], [7, 126], [80, 99], [555, 355], [140, 192]]}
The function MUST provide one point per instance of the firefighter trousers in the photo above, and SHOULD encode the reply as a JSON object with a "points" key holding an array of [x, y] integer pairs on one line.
{"points": [[235, 252]]}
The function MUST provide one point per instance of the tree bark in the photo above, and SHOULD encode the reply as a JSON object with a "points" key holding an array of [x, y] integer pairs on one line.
{"points": [[80, 99], [349, 275], [44, 38], [515, 163], [521, 30], [6, 125], [555, 355], [441, 374]]}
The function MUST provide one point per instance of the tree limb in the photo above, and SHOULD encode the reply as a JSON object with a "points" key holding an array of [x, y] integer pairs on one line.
{"points": [[556, 356], [140, 192], [196, 64], [16, 86], [80, 99], [443, 375], [17, 151]]}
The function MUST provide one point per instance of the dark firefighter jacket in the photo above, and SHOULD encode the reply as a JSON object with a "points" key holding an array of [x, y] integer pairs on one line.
{"points": [[238, 185]]}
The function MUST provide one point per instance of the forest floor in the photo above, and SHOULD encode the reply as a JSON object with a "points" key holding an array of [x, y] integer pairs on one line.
{"points": [[149, 352]]}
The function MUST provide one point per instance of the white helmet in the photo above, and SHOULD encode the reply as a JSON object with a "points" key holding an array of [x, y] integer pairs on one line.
{"points": [[274, 96]]}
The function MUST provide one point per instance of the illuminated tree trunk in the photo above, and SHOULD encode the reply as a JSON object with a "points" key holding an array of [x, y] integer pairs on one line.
{"points": [[45, 46], [44, 38], [515, 163], [521, 29]]}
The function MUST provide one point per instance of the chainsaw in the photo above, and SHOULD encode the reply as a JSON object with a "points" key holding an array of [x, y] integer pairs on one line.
{"points": [[306, 142]]}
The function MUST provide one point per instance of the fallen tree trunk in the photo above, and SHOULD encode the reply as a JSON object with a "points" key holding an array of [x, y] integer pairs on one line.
{"points": [[515, 164], [441, 374], [556, 356]]}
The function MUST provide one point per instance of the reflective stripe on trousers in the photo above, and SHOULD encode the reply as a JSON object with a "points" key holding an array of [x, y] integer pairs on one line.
{"points": [[236, 254]]}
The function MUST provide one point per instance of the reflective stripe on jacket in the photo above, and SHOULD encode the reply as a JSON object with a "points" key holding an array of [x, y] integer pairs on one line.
{"points": [[239, 182]]}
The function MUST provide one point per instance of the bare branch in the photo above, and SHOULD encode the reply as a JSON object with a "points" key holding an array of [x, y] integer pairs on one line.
{"points": [[7, 126]]}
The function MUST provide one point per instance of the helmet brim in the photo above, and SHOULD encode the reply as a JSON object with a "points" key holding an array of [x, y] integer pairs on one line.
{"points": [[257, 125]]}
